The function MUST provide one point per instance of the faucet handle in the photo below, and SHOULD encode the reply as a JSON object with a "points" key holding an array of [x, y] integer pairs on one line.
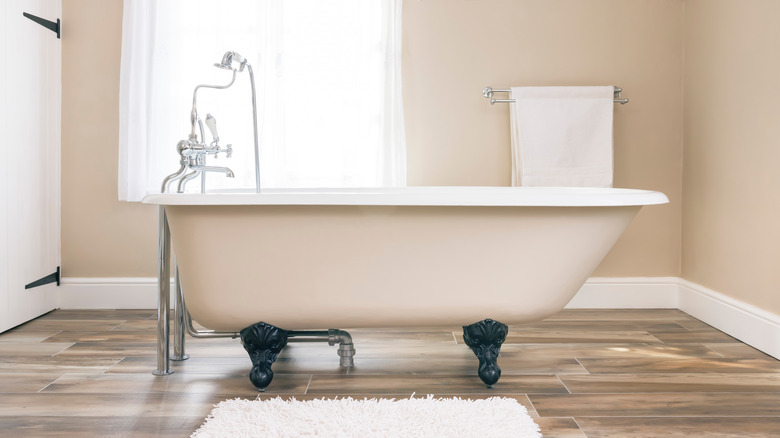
{"points": [[228, 150], [211, 123]]}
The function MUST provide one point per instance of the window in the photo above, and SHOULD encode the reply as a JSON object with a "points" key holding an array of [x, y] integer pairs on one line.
{"points": [[328, 91]]}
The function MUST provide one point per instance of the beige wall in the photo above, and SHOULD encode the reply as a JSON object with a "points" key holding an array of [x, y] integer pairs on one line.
{"points": [[101, 237], [731, 187], [452, 49]]}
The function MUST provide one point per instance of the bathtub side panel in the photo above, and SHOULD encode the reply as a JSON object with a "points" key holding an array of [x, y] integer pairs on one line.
{"points": [[306, 267]]}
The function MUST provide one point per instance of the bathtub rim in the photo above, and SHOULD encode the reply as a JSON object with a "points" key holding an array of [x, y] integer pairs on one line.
{"points": [[422, 196]]}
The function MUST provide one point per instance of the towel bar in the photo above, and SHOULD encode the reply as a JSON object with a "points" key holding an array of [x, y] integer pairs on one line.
{"points": [[487, 92]]}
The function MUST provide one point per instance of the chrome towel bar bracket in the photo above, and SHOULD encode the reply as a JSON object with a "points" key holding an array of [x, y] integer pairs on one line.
{"points": [[487, 93]]}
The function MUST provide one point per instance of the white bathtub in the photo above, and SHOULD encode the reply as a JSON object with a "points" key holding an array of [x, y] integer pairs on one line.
{"points": [[274, 263], [313, 259]]}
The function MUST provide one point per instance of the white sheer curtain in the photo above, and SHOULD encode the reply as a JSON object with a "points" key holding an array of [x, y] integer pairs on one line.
{"points": [[328, 82]]}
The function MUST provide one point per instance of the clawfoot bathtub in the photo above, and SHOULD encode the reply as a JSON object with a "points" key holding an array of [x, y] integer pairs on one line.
{"points": [[317, 259]]}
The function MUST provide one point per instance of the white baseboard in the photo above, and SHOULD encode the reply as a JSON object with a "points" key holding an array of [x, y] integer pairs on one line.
{"points": [[749, 324], [108, 293]]}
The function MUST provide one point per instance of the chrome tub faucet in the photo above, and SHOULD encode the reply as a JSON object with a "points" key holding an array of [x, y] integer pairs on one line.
{"points": [[194, 150]]}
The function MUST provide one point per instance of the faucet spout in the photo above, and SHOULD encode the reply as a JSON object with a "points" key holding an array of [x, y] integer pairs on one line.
{"points": [[225, 170]]}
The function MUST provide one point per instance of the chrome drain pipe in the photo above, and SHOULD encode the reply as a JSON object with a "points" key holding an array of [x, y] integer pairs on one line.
{"points": [[346, 350]]}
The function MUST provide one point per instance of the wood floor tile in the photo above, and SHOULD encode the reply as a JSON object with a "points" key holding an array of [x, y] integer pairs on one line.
{"points": [[137, 325], [578, 336], [21, 382], [91, 350], [693, 324], [194, 365], [102, 349], [18, 336], [526, 402], [128, 336], [597, 326], [230, 365], [632, 373], [54, 364], [682, 382], [109, 405], [585, 350], [738, 350], [519, 365], [217, 384], [438, 385], [559, 427], [691, 365], [85, 427], [665, 427], [44, 323], [32, 349], [101, 336], [620, 315], [698, 336], [70, 314], [702, 404]]}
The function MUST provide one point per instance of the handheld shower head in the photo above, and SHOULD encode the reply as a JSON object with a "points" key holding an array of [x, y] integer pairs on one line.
{"points": [[227, 64], [227, 61]]}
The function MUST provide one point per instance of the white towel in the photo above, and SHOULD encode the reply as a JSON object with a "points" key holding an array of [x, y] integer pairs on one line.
{"points": [[562, 136]]}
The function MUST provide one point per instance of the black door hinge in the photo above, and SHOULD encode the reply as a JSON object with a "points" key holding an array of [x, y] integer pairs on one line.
{"points": [[51, 278], [52, 26]]}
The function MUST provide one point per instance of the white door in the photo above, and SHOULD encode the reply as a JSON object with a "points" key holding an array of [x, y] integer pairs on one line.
{"points": [[30, 159]]}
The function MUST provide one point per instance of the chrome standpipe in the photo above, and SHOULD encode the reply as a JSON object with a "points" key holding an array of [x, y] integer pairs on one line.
{"points": [[164, 297]]}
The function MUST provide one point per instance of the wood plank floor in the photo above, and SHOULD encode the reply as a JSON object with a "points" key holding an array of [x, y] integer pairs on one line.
{"points": [[595, 373]]}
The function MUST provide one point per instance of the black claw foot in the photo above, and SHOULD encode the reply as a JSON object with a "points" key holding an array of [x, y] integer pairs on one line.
{"points": [[263, 342], [485, 339]]}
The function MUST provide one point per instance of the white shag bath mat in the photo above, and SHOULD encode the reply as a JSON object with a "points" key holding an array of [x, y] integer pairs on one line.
{"points": [[346, 417]]}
